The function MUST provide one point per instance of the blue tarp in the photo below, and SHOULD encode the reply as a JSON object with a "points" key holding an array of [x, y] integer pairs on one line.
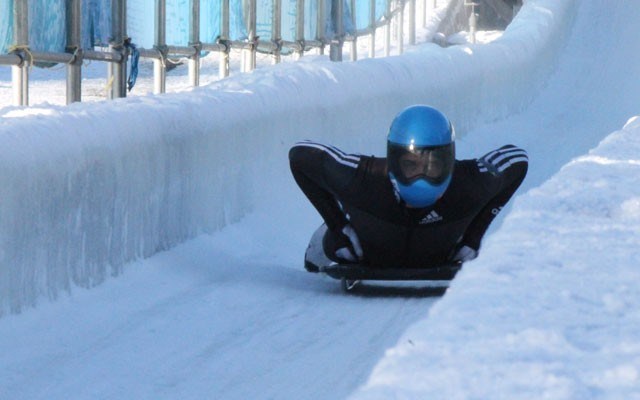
{"points": [[140, 24], [46, 25], [6, 38], [96, 23], [47, 21], [289, 12], [362, 12]]}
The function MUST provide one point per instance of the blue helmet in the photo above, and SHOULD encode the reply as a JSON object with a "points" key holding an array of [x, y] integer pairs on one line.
{"points": [[420, 155]]}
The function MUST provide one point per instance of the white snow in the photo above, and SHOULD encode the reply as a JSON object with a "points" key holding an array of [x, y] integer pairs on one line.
{"points": [[187, 198]]}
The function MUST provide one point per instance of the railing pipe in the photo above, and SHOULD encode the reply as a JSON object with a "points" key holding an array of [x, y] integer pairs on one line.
{"points": [[74, 65], [249, 53], [412, 22], [354, 38], [10, 59], [473, 22], [103, 56], [223, 70], [276, 30], [125, 50], [159, 64], [17, 58], [20, 72], [320, 32], [372, 27], [217, 47], [400, 26], [117, 70], [335, 49], [387, 30], [194, 41], [300, 28]]}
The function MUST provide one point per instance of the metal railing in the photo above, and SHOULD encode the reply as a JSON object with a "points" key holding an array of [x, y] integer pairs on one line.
{"points": [[21, 57]]}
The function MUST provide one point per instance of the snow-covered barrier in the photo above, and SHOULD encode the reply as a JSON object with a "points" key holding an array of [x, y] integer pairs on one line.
{"points": [[549, 311], [86, 188]]}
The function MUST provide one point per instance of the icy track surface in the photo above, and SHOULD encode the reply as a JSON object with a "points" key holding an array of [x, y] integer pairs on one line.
{"points": [[258, 327]]}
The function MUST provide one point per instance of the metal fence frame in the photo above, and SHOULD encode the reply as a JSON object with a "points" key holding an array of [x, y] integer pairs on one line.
{"points": [[22, 57]]}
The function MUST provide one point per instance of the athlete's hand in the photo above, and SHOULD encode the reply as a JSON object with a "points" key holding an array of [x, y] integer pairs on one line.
{"points": [[464, 254], [352, 250]]}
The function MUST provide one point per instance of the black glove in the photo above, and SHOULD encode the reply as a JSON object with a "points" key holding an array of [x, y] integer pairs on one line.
{"points": [[343, 245]]}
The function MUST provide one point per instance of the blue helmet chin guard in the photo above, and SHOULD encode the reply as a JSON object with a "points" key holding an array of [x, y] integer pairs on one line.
{"points": [[421, 193], [420, 155]]}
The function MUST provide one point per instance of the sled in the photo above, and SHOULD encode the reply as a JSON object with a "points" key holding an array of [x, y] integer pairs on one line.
{"points": [[351, 275]]}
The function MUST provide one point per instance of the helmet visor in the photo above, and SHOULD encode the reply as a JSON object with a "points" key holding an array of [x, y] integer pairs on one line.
{"points": [[433, 164]]}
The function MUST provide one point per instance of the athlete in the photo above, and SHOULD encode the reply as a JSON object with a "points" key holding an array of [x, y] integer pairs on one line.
{"points": [[418, 207]]}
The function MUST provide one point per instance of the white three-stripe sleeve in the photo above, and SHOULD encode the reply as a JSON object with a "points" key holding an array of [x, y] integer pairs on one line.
{"points": [[350, 160], [502, 158]]}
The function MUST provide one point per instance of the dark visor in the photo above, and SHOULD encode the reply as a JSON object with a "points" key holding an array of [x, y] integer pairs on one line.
{"points": [[434, 164]]}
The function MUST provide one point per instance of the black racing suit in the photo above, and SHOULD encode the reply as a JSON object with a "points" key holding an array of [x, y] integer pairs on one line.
{"points": [[356, 189]]}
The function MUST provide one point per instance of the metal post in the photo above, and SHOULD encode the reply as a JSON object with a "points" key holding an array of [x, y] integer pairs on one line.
{"points": [[117, 71], [387, 30], [20, 73], [425, 11], [354, 41], [159, 65], [276, 29], [74, 68], [412, 22], [223, 70], [400, 27], [335, 49], [372, 26], [320, 33], [300, 28], [125, 50], [249, 52], [194, 40], [473, 22]]}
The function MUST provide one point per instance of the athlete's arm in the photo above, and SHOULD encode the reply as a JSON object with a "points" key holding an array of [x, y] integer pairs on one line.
{"points": [[504, 169], [324, 174]]}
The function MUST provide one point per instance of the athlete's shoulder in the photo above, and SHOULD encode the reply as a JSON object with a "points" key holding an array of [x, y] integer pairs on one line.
{"points": [[306, 148]]}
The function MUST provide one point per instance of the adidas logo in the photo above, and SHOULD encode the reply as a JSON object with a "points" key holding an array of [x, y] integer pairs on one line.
{"points": [[431, 218]]}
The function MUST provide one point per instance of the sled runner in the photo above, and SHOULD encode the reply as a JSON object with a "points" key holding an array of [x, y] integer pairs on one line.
{"points": [[351, 275]]}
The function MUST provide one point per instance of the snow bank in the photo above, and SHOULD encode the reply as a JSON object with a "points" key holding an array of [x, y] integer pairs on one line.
{"points": [[89, 187], [547, 311]]}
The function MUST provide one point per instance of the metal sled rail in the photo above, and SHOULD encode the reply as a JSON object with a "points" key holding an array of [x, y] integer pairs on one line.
{"points": [[354, 272]]}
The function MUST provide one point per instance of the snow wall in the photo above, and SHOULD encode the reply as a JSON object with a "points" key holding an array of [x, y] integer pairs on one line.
{"points": [[87, 188]]}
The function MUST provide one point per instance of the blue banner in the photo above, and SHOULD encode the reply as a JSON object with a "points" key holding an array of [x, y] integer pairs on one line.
{"points": [[6, 25], [141, 21], [96, 23], [47, 21]]}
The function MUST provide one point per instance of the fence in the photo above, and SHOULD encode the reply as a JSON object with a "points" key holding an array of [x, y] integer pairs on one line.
{"points": [[327, 23]]}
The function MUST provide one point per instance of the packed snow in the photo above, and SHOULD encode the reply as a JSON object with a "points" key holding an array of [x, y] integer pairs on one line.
{"points": [[187, 200]]}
